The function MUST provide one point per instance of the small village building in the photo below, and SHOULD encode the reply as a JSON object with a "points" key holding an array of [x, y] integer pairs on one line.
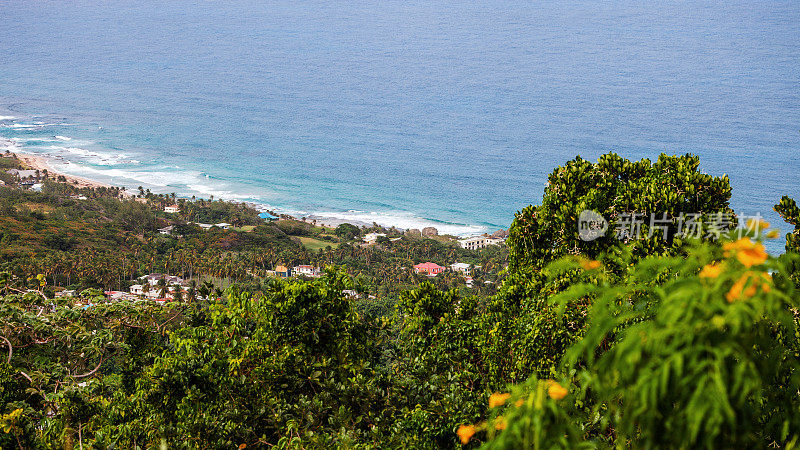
{"points": [[463, 268], [478, 242], [66, 293], [172, 209], [223, 225], [283, 271], [169, 280], [136, 289], [306, 270], [371, 238], [166, 230], [428, 268], [119, 295]]}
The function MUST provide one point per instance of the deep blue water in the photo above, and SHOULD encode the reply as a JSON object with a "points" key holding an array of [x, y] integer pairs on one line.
{"points": [[453, 112]]}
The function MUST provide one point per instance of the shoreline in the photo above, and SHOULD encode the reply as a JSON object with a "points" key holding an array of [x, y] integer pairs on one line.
{"points": [[40, 163]]}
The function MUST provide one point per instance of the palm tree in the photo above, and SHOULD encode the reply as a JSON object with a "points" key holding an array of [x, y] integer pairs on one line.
{"points": [[162, 287], [177, 293]]}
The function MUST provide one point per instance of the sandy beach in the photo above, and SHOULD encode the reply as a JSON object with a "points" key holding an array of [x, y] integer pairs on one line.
{"points": [[40, 163]]}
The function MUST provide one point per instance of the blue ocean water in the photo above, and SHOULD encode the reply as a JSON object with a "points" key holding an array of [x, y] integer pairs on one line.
{"points": [[410, 113]]}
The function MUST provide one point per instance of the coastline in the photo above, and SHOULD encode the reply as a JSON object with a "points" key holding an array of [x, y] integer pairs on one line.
{"points": [[36, 162], [41, 163]]}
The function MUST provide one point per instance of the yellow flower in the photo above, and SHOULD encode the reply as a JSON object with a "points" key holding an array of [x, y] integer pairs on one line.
{"points": [[465, 433], [711, 271], [590, 265], [556, 391], [738, 289], [500, 423], [749, 253], [519, 403], [752, 256], [744, 242], [773, 234], [498, 399]]}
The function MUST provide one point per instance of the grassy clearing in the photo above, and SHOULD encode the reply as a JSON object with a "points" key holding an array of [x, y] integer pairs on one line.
{"points": [[315, 244]]}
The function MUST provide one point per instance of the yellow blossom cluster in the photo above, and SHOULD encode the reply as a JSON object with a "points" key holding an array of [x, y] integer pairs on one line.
{"points": [[742, 289], [465, 432], [748, 253], [590, 265]]}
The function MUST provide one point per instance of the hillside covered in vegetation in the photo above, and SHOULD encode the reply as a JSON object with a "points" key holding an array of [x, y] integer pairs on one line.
{"points": [[658, 339]]}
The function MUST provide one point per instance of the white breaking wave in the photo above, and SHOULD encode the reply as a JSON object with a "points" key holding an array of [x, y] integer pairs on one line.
{"points": [[9, 144], [399, 219], [63, 138], [93, 156], [21, 125], [7, 117], [184, 182], [34, 125], [32, 139]]}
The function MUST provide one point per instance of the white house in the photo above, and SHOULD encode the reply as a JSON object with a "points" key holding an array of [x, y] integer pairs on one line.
{"points": [[170, 280], [464, 268], [172, 209], [309, 271], [371, 238], [166, 230], [139, 291], [477, 242], [223, 225]]}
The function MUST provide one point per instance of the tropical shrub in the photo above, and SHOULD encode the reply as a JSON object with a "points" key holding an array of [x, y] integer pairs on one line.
{"points": [[704, 359]]}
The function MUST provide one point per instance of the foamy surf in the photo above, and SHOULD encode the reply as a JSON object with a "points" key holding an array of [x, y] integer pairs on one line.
{"points": [[398, 219], [78, 157]]}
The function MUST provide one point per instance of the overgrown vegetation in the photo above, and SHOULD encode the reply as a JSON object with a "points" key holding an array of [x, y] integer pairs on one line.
{"points": [[643, 343]]}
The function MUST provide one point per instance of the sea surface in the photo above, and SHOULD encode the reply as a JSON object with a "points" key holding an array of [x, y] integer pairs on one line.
{"points": [[408, 113]]}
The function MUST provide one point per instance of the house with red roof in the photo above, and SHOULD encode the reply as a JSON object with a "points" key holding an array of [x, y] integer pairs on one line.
{"points": [[428, 268]]}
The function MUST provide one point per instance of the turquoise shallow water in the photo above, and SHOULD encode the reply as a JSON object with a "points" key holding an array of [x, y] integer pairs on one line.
{"points": [[403, 112]]}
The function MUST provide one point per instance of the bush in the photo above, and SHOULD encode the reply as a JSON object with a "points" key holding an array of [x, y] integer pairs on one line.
{"points": [[696, 352]]}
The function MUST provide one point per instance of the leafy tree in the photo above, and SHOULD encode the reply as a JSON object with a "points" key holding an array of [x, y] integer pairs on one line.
{"points": [[292, 366], [611, 187], [790, 212], [135, 217], [347, 231]]}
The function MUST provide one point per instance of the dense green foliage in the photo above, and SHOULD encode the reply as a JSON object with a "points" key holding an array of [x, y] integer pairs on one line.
{"points": [[102, 241], [612, 187], [653, 343]]}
